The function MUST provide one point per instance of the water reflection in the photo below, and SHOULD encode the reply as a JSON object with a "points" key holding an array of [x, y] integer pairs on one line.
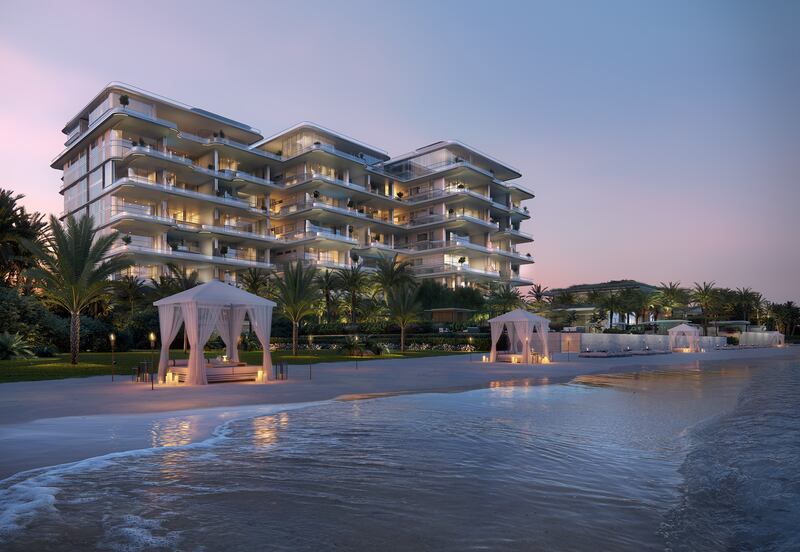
{"points": [[172, 432], [265, 429]]}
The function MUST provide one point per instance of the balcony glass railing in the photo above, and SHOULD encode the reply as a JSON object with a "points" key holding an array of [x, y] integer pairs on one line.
{"points": [[449, 268], [321, 204], [190, 253], [432, 219], [519, 233], [218, 198], [245, 231], [314, 232]]}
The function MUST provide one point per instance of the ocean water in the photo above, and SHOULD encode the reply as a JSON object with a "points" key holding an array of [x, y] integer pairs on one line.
{"points": [[705, 459]]}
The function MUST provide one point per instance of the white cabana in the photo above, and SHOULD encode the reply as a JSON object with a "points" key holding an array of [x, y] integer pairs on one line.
{"points": [[208, 307], [684, 337], [520, 325]]}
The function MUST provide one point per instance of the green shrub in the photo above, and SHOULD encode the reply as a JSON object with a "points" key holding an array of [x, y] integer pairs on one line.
{"points": [[45, 351], [733, 340], [13, 346], [28, 317]]}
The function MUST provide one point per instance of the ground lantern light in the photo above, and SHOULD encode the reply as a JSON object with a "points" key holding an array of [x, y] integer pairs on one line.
{"points": [[113, 339], [152, 356]]}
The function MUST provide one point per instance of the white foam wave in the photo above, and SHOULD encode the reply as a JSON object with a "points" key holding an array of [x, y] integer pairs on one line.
{"points": [[28, 494]]}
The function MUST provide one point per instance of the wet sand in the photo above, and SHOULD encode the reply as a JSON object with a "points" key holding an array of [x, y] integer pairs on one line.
{"points": [[52, 422]]}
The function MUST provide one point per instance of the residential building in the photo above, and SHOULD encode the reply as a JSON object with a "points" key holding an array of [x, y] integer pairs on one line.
{"points": [[188, 187]]}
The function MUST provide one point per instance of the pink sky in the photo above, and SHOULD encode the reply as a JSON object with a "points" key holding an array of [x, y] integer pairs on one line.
{"points": [[661, 142]]}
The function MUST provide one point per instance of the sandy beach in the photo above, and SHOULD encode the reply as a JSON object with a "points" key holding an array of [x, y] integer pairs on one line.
{"points": [[59, 421]]}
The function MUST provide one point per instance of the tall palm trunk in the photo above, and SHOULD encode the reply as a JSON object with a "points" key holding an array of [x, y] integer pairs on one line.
{"points": [[294, 338], [74, 336], [402, 339]]}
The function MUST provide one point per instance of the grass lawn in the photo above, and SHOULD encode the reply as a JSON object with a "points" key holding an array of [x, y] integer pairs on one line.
{"points": [[99, 364]]}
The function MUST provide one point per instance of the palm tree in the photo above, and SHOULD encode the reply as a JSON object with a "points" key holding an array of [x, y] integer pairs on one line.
{"points": [[537, 293], [73, 270], [16, 227], [326, 282], [504, 298], [182, 278], [404, 309], [761, 306], [130, 291], [256, 281], [564, 298], [353, 281], [787, 317], [635, 300], [670, 296], [296, 292], [391, 273], [706, 297], [611, 302], [746, 301]]}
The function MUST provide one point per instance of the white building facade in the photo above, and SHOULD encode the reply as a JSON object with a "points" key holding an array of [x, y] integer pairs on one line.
{"points": [[187, 187]]}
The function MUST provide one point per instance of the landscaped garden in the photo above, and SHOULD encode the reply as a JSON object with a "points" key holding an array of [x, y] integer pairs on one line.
{"points": [[65, 302]]}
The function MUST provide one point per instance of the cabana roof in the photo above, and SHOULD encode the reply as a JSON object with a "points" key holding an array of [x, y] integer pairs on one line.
{"points": [[684, 329], [519, 315], [215, 293]]}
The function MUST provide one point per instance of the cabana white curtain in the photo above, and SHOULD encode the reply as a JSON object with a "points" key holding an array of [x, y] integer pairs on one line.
{"points": [[261, 319], [520, 325], [210, 306], [684, 336], [229, 328], [198, 333], [170, 318]]}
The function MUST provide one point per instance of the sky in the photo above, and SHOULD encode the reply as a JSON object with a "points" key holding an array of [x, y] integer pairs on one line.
{"points": [[662, 139]]}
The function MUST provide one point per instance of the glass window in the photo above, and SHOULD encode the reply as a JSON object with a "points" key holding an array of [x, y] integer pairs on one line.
{"points": [[95, 183]]}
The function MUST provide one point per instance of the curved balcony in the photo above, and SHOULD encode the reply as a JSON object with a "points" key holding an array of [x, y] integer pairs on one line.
{"points": [[450, 269], [188, 255], [238, 232], [146, 184], [316, 233]]}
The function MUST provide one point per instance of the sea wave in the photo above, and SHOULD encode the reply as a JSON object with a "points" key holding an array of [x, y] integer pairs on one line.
{"points": [[741, 487], [31, 493]]}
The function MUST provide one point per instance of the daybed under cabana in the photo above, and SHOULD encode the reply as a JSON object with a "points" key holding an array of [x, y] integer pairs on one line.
{"points": [[203, 309], [519, 325], [684, 338]]}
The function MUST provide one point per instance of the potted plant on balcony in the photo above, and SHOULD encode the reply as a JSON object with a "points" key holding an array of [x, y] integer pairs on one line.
{"points": [[141, 142], [223, 250], [451, 212], [316, 194], [211, 166], [173, 245], [461, 186], [462, 260], [126, 239], [124, 100], [279, 153], [528, 255], [350, 204], [221, 133], [400, 196]]}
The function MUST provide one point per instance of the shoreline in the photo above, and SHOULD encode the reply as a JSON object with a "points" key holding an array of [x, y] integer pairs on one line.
{"points": [[56, 422]]}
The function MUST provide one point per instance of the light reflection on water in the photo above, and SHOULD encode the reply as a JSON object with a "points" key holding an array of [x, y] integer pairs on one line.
{"points": [[590, 465]]}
